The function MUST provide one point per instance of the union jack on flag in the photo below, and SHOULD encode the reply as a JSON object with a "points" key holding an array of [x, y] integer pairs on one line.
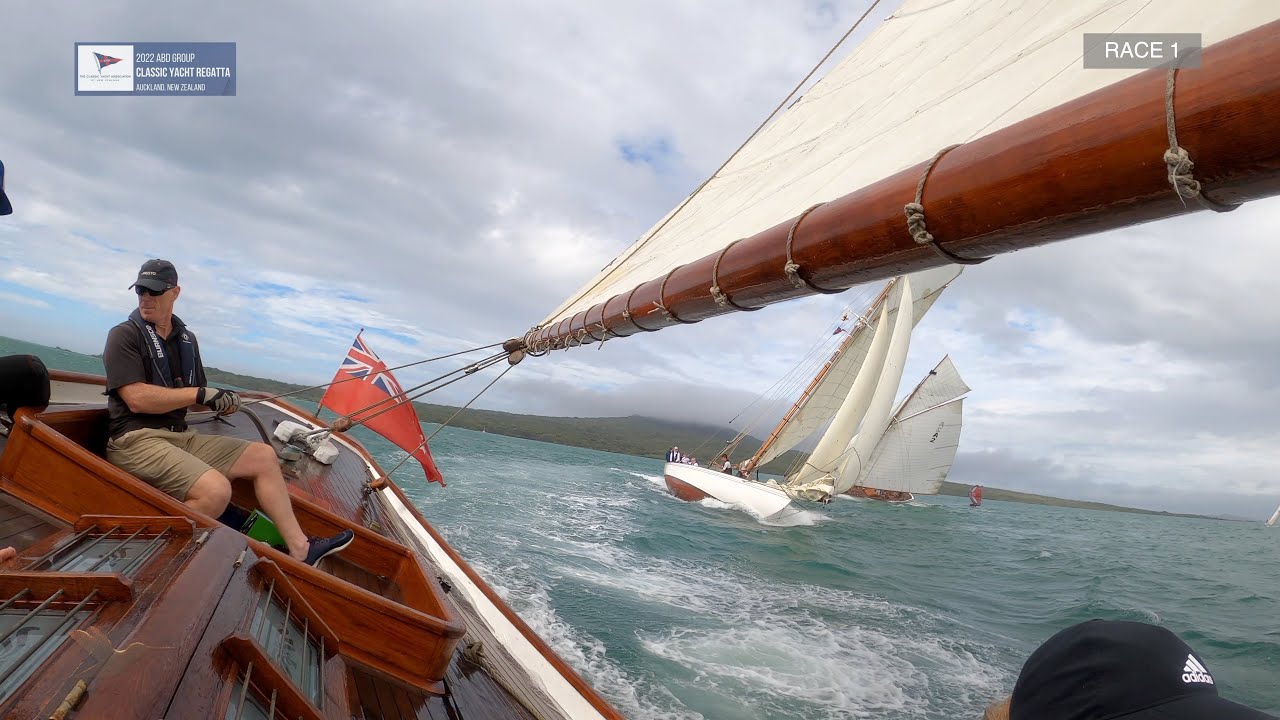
{"points": [[360, 389], [361, 361]]}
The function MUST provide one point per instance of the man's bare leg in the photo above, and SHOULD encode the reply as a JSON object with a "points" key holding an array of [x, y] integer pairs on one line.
{"points": [[210, 494], [258, 463]]}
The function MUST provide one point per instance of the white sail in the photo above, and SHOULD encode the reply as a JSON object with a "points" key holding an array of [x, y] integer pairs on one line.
{"points": [[933, 74], [942, 384], [916, 453], [825, 399], [830, 448], [1275, 517], [878, 414]]}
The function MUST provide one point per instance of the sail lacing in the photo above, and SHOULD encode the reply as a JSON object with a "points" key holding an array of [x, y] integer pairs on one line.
{"points": [[1179, 160], [720, 297], [915, 217], [662, 299], [792, 268]]}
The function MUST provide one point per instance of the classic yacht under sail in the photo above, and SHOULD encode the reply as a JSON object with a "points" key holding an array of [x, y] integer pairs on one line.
{"points": [[903, 450], [1275, 517]]}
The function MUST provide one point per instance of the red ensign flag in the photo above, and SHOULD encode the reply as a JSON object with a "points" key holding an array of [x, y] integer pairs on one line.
{"points": [[400, 424]]}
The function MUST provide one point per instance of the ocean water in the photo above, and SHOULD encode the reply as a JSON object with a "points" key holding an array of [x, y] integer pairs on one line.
{"points": [[854, 610]]}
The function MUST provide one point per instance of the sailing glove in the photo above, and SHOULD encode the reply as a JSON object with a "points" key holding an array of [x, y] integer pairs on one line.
{"points": [[223, 402]]}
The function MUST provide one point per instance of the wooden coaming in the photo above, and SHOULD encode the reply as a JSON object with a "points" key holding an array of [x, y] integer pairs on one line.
{"points": [[126, 651], [1089, 165], [412, 641], [471, 689], [201, 694]]}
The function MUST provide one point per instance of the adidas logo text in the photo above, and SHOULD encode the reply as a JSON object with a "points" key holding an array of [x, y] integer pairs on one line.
{"points": [[1194, 672]]}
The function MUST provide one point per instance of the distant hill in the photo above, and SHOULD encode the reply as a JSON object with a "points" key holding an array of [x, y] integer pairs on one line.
{"points": [[992, 493], [637, 435]]}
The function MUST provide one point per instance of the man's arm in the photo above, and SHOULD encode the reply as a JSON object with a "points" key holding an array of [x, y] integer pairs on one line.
{"points": [[149, 399]]}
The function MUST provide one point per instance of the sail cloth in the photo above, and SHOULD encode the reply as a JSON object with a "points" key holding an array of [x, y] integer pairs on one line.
{"points": [[375, 384], [942, 384], [916, 451], [933, 74], [825, 399]]}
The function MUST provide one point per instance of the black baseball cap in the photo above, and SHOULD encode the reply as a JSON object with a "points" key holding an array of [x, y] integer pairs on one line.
{"points": [[5, 207], [1118, 670], [157, 275]]}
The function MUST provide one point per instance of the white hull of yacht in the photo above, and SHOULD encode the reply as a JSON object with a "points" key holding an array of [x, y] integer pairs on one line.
{"points": [[693, 483]]}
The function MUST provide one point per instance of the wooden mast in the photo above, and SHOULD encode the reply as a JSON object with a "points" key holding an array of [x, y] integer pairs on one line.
{"points": [[817, 379], [1090, 165]]}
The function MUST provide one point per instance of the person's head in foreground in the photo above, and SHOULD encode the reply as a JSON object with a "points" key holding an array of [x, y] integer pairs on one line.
{"points": [[1117, 670]]}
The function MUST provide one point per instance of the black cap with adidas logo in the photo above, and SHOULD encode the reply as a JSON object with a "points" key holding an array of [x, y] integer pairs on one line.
{"points": [[1113, 670]]}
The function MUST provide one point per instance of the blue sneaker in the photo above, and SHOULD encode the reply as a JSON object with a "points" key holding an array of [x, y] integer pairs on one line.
{"points": [[322, 548]]}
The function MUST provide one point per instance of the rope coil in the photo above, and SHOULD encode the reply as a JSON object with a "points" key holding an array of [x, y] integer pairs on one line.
{"points": [[916, 222], [792, 268], [1178, 160], [721, 298]]}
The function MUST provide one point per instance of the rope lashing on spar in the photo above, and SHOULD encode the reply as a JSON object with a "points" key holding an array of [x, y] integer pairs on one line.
{"points": [[792, 268], [660, 303], [1178, 160], [722, 299], [916, 222]]}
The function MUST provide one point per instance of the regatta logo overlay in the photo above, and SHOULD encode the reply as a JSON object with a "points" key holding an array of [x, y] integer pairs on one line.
{"points": [[156, 68], [104, 68], [1194, 672]]}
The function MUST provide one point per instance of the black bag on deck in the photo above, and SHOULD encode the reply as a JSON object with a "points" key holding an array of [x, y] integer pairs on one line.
{"points": [[24, 382]]}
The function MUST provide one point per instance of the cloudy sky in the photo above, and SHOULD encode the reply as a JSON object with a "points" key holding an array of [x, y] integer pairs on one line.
{"points": [[444, 174]]}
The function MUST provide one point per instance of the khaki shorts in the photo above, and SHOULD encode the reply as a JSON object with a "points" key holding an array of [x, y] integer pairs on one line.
{"points": [[173, 461]]}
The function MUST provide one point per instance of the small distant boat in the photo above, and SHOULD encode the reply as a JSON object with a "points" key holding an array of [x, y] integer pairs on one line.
{"points": [[975, 496], [1275, 517]]}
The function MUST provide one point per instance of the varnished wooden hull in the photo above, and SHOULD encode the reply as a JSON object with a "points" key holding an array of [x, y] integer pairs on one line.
{"points": [[393, 630], [684, 490]]}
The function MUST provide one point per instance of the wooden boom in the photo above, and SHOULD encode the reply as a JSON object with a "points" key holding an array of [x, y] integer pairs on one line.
{"points": [[1093, 164]]}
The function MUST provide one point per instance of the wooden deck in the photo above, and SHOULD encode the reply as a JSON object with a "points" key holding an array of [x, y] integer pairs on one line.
{"points": [[472, 692], [472, 695], [20, 526]]}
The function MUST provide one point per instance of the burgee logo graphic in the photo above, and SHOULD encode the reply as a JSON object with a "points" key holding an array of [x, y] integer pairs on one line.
{"points": [[104, 68], [104, 61]]}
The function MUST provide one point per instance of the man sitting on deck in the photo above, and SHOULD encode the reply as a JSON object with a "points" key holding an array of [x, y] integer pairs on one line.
{"points": [[154, 374]]}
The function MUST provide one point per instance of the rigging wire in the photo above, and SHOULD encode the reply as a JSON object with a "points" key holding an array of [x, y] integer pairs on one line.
{"points": [[397, 367], [449, 420]]}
